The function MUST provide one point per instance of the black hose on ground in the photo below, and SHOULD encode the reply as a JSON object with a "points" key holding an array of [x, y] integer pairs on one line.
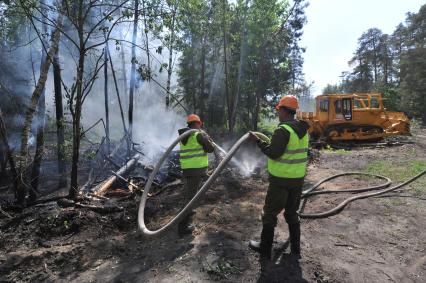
{"points": [[339, 207], [311, 190]]}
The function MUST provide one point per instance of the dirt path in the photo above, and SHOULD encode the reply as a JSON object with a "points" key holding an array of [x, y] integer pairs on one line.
{"points": [[372, 240]]}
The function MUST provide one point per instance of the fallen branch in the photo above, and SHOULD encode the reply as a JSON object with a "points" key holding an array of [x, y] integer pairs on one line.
{"points": [[101, 209], [55, 198], [14, 221], [169, 185], [5, 213], [92, 196], [102, 188], [172, 184], [125, 180]]}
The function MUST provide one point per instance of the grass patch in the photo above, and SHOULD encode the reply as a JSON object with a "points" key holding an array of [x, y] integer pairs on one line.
{"points": [[330, 149], [400, 171], [222, 269]]}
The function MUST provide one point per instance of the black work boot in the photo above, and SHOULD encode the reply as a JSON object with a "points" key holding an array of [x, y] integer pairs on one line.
{"points": [[185, 227], [294, 230], [264, 247]]}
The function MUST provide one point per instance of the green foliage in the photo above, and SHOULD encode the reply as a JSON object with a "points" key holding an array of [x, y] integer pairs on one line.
{"points": [[263, 58], [332, 89], [222, 269], [89, 155], [328, 148], [57, 224], [13, 20], [66, 149], [390, 96], [127, 13], [267, 127], [66, 224]]}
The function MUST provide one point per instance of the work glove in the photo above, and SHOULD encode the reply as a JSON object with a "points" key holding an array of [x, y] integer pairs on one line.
{"points": [[253, 137]]}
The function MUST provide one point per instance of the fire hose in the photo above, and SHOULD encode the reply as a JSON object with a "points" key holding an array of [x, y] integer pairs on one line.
{"points": [[339, 207], [198, 195], [306, 194]]}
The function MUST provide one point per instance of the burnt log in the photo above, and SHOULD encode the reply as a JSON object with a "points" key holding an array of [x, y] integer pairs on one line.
{"points": [[102, 188]]}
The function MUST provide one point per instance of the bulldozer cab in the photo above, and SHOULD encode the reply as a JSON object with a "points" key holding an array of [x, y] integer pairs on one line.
{"points": [[341, 107], [335, 108]]}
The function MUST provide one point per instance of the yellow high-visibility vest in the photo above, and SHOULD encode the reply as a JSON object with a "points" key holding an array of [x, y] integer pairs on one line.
{"points": [[292, 164], [192, 154]]}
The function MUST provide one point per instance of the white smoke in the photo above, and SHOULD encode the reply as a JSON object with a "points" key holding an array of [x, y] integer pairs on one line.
{"points": [[154, 126]]}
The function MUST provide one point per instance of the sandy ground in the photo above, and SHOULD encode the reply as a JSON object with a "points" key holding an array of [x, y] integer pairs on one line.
{"points": [[371, 240]]}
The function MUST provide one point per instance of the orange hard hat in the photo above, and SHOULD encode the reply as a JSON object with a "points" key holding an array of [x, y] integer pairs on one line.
{"points": [[193, 118], [288, 101]]}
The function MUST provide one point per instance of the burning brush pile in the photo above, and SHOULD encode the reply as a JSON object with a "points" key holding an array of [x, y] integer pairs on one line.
{"points": [[119, 172], [107, 203]]}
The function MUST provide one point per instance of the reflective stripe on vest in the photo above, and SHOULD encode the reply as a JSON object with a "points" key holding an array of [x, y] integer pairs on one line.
{"points": [[192, 155], [292, 164]]}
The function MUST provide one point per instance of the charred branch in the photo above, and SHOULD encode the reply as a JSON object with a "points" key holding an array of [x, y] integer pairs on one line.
{"points": [[108, 183]]}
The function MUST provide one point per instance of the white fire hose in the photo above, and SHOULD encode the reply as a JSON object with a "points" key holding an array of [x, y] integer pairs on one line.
{"points": [[222, 164], [198, 195]]}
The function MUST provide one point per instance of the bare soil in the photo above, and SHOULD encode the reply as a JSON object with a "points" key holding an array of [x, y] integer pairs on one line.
{"points": [[379, 239]]}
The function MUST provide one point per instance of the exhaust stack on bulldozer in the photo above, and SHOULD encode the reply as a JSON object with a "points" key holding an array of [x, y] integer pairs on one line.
{"points": [[354, 117]]}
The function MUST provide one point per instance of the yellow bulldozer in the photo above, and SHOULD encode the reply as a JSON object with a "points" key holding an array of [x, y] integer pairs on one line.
{"points": [[354, 117]]}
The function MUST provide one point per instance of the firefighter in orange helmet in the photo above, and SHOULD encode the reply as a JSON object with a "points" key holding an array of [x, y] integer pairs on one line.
{"points": [[287, 160], [194, 163]]}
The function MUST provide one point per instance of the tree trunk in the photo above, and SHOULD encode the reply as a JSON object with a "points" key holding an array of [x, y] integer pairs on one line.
{"points": [[117, 91], [260, 91], [240, 75], [76, 128], [29, 115], [193, 71], [146, 30], [256, 110], [424, 112], [106, 97], [40, 116], [202, 80], [375, 61], [386, 66], [8, 151], [123, 67], [225, 64], [169, 66], [73, 193], [133, 69], [60, 135], [35, 173]]}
